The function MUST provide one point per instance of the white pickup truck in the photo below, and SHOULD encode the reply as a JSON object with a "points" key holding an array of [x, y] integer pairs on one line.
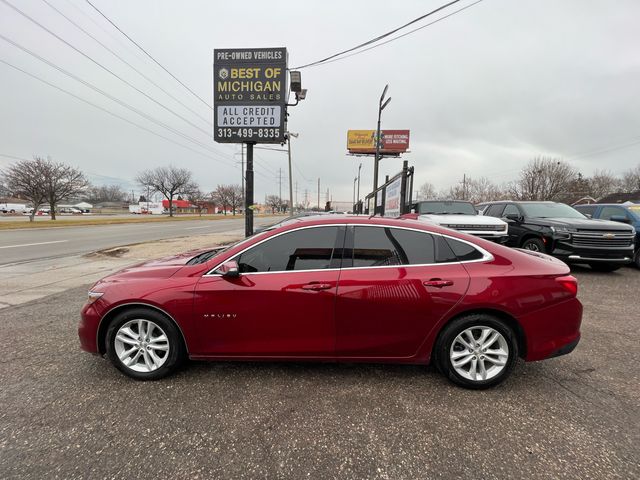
{"points": [[462, 216]]}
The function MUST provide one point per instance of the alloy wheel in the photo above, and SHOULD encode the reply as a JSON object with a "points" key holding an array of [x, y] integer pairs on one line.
{"points": [[141, 345], [479, 353]]}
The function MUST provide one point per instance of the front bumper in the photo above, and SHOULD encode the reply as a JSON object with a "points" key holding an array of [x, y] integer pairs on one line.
{"points": [[573, 254], [88, 328]]}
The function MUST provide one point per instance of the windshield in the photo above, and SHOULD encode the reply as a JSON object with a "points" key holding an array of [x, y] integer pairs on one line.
{"points": [[209, 254], [446, 208], [547, 210]]}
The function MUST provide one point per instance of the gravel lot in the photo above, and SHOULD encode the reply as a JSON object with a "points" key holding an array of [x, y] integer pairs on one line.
{"points": [[67, 414]]}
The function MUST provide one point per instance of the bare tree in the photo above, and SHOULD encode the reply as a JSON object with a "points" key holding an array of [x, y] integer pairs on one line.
{"points": [[222, 197], [235, 197], [630, 181], [483, 190], [543, 178], [62, 182], [274, 202], [105, 193], [427, 192], [198, 198], [169, 181], [602, 183], [27, 179]]}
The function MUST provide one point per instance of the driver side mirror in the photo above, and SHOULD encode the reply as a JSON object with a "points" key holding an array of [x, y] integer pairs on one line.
{"points": [[229, 269], [514, 217]]}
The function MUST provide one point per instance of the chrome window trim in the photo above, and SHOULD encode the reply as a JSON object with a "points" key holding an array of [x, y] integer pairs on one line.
{"points": [[486, 256]]}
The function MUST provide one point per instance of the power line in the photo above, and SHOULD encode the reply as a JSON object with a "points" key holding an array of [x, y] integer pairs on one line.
{"points": [[91, 59], [148, 54], [404, 34], [120, 117], [378, 38], [79, 27], [110, 112], [109, 96]]}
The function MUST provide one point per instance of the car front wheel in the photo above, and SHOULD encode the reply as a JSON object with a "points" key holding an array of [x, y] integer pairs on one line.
{"points": [[533, 244], [144, 344], [477, 351]]}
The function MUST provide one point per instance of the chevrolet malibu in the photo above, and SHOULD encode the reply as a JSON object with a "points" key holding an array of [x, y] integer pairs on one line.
{"points": [[347, 289]]}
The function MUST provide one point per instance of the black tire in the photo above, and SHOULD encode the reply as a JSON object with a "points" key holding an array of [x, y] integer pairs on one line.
{"points": [[533, 244], [448, 336], [605, 267], [636, 259], [176, 350]]}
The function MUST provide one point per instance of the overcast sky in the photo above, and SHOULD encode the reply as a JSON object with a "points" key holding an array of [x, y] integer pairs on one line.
{"points": [[482, 92]]}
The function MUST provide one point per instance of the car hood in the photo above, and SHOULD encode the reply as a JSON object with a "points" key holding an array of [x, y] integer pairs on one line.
{"points": [[582, 224], [461, 219], [158, 268]]}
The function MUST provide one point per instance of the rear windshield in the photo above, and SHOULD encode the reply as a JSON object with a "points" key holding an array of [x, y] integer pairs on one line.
{"points": [[446, 208]]}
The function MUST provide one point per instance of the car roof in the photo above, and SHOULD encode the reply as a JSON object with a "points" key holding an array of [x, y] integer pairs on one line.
{"points": [[607, 205], [519, 202], [365, 220]]}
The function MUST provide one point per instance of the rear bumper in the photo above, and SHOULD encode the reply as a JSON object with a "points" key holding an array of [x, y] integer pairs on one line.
{"points": [[552, 331]]}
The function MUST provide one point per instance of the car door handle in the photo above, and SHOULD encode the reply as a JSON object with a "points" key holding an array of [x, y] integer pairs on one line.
{"points": [[438, 283], [316, 286]]}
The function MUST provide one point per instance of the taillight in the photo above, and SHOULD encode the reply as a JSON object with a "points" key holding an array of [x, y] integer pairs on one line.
{"points": [[569, 283]]}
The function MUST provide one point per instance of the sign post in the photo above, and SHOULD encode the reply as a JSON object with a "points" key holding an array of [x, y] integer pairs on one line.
{"points": [[250, 98]]}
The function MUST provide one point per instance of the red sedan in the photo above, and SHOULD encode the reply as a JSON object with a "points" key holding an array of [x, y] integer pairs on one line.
{"points": [[352, 289]]}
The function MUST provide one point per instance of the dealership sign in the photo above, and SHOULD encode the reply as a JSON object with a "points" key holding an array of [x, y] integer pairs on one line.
{"points": [[250, 95], [391, 141], [392, 198]]}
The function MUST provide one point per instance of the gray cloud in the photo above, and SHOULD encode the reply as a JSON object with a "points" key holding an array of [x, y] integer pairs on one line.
{"points": [[482, 92]]}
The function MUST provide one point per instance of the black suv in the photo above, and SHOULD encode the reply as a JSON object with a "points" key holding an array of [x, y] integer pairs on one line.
{"points": [[561, 231]]}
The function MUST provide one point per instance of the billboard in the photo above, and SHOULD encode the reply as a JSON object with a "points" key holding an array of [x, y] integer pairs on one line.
{"points": [[391, 141], [249, 95]]}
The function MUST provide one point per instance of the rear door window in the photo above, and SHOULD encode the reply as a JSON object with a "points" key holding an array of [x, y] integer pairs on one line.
{"points": [[383, 246]]}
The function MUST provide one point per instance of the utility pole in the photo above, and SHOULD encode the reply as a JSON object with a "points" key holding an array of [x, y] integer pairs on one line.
{"points": [[242, 168], [296, 198], [464, 186], [289, 135], [354, 194], [318, 193], [280, 184], [381, 106], [248, 200]]}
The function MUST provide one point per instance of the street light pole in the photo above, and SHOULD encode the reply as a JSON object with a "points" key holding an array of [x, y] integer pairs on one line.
{"points": [[381, 106], [354, 192], [289, 135], [359, 168]]}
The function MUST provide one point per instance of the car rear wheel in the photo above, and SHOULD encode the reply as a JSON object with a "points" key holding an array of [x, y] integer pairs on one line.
{"points": [[144, 344], [605, 267], [533, 244], [477, 351]]}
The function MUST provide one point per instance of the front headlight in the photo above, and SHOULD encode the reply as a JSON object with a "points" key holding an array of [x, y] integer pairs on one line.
{"points": [[93, 296], [563, 229]]}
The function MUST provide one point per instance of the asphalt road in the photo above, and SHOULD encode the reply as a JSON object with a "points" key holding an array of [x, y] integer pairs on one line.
{"points": [[30, 244], [67, 414]]}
